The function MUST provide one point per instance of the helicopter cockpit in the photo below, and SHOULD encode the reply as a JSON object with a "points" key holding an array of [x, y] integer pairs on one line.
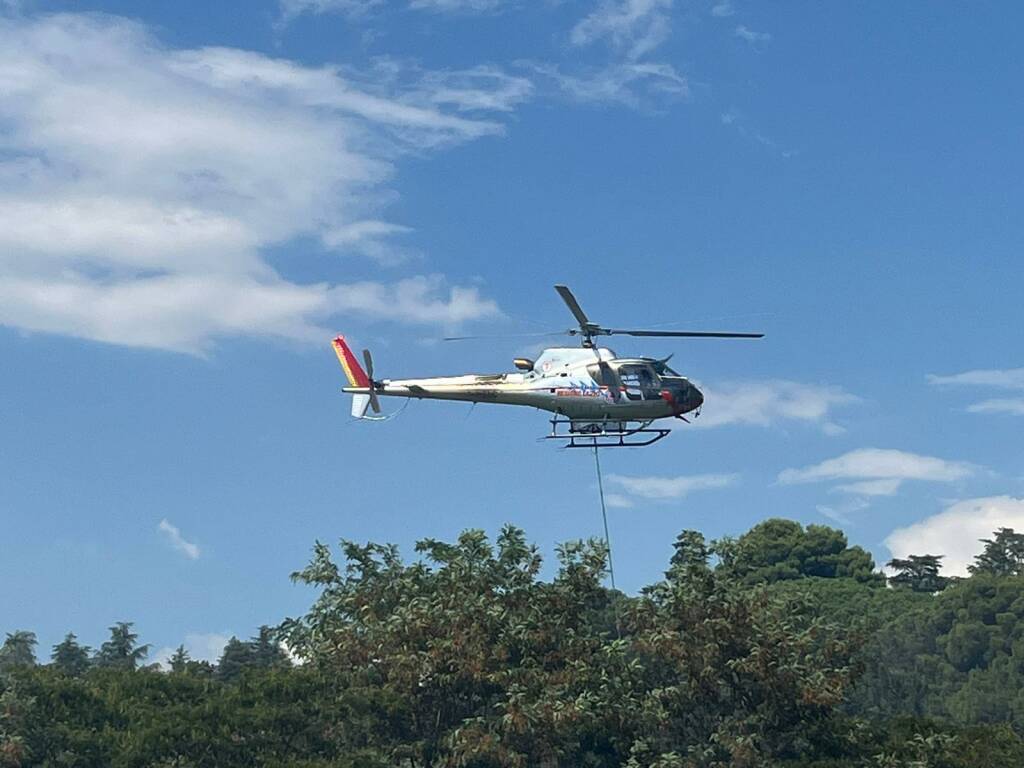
{"points": [[636, 379]]}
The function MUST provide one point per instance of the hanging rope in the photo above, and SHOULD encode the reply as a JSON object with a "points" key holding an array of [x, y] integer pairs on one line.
{"points": [[604, 514]]}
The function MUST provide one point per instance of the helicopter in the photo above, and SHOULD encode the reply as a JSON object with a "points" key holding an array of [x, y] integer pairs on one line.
{"points": [[597, 399]]}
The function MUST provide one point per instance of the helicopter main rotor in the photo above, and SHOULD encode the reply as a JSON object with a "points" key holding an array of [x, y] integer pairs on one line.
{"points": [[588, 329]]}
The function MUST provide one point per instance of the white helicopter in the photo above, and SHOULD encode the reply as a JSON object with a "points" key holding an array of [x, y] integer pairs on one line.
{"points": [[598, 399]]}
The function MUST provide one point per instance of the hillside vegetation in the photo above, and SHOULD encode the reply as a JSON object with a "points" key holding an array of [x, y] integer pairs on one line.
{"points": [[783, 647]]}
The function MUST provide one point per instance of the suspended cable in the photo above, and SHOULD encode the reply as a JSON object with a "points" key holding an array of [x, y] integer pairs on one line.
{"points": [[604, 514]]}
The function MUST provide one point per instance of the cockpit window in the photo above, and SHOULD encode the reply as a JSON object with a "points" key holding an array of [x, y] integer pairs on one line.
{"points": [[639, 381]]}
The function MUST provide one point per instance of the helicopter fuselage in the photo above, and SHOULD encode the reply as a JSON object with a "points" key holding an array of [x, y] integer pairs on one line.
{"points": [[582, 384]]}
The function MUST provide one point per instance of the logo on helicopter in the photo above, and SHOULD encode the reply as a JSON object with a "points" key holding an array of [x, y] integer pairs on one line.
{"points": [[583, 390]]}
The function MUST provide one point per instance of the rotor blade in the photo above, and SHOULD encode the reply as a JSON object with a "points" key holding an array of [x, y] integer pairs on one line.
{"points": [[688, 334], [374, 401], [574, 306], [505, 336]]}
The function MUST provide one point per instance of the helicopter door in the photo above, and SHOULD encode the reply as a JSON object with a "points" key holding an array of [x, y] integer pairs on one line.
{"points": [[639, 382]]}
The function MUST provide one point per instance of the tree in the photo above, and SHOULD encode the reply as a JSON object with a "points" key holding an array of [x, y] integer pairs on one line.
{"points": [[179, 660], [690, 556], [778, 550], [69, 657], [122, 650], [1002, 556], [266, 651], [475, 661], [236, 657], [919, 573], [18, 650]]}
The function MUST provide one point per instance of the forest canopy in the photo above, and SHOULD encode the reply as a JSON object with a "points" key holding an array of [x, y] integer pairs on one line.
{"points": [[782, 647]]}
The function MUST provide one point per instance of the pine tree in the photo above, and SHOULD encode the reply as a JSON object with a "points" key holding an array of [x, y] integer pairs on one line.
{"points": [[18, 650], [1002, 556], [122, 650], [266, 652], [919, 573], [69, 657], [180, 660], [237, 656]]}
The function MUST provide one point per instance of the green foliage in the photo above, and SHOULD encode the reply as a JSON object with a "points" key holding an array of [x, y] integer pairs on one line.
{"points": [[122, 650], [789, 652], [778, 550], [69, 657], [262, 652], [919, 573], [18, 650], [957, 655], [494, 667], [1003, 555]]}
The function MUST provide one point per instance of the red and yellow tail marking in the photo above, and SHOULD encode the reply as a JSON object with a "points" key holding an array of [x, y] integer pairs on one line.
{"points": [[356, 375]]}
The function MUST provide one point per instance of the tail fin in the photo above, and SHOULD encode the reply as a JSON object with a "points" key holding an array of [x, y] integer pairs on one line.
{"points": [[357, 377], [359, 405]]}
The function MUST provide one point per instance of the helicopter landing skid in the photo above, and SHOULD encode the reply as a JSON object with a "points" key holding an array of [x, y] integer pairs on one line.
{"points": [[605, 434]]}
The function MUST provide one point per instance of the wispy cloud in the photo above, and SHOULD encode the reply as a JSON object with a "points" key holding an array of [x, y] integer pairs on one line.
{"points": [[142, 185], [664, 488], [746, 33], [1011, 379], [878, 471], [173, 534], [459, 6], [1007, 405], [840, 513], [632, 27], [629, 84], [363, 8], [1007, 378], [739, 123], [954, 533], [723, 9], [618, 501], [772, 401], [354, 8]]}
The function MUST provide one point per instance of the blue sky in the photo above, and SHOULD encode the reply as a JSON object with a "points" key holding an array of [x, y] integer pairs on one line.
{"points": [[195, 197]]}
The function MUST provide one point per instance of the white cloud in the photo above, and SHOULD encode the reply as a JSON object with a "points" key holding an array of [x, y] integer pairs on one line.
{"points": [[362, 8], [1006, 379], [618, 501], [661, 488], [142, 186], [745, 33], [723, 9], [840, 513], [1012, 406], [1012, 378], [476, 6], [887, 486], [633, 27], [200, 647], [878, 471], [771, 401], [627, 84], [353, 8], [187, 548], [956, 531]]}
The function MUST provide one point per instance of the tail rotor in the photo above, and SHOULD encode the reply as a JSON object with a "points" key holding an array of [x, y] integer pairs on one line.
{"points": [[374, 401]]}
